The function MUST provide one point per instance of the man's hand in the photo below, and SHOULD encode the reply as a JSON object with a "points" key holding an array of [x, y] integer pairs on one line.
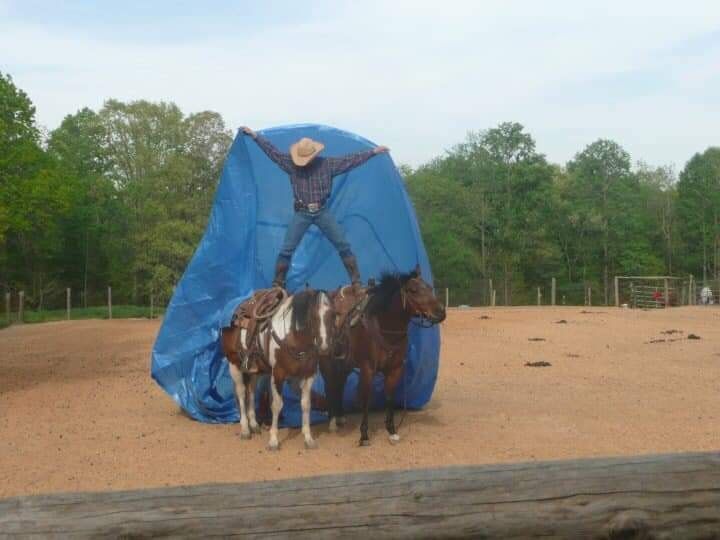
{"points": [[381, 150], [248, 131]]}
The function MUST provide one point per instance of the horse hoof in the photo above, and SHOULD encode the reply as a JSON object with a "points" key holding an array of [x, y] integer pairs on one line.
{"points": [[394, 438], [273, 447], [333, 427], [364, 442], [255, 429], [311, 445], [245, 436], [341, 421]]}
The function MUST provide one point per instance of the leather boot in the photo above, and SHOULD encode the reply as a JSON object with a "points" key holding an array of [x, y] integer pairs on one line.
{"points": [[351, 266], [281, 268]]}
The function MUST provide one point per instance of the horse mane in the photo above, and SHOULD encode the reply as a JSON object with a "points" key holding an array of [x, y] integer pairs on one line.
{"points": [[302, 304], [381, 295]]}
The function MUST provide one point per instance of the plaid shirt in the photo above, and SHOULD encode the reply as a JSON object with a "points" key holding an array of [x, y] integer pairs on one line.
{"points": [[313, 183]]}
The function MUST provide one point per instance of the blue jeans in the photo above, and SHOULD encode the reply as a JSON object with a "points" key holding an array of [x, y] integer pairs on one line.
{"points": [[324, 221]]}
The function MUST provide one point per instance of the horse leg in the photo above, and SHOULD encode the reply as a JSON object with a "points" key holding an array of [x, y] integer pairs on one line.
{"points": [[305, 388], [391, 381], [366, 376], [254, 427], [237, 377], [276, 386], [342, 376], [330, 392]]}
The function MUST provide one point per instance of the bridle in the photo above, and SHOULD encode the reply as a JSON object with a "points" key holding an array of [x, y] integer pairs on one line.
{"points": [[425, 321]]}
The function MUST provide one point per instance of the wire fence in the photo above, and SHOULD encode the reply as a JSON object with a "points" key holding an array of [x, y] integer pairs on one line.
{"points": [[67, 304], [645, 293], [641, 292]]}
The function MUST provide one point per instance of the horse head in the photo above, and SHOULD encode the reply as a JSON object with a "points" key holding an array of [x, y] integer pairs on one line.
{"points": [[419, 299], [313, 315]]}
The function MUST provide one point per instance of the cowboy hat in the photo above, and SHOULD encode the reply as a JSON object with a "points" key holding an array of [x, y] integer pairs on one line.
{"points": [[303, 151]]}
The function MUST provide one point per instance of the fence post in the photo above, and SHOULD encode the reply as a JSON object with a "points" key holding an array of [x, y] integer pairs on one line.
{"points": [[667, 293], [553, 290], [8, 307], [589, 293], [67, 302], [109, 302], [152, 306], [539, 297], [690, 290], [21, 307], [617, 291], [492, 293]]}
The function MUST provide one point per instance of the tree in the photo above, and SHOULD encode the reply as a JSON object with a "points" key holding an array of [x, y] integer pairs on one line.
{"points": [[699, 212], [602, 177], [82, 162], [32, 198]]}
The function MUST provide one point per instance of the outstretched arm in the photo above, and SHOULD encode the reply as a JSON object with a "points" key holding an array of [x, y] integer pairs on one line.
{"points": [[283, 160], [339, 165]]}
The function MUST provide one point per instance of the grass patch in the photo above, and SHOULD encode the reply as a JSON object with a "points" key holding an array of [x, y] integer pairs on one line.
{"points": [[119, 312]]}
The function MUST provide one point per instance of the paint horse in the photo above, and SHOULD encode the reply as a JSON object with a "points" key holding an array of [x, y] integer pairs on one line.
{"points": [[377, 342], [289, 345]]}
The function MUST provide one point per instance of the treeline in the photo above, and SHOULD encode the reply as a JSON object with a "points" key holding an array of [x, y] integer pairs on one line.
{"points": [[494, 208], [118, 197], [121, 196]]}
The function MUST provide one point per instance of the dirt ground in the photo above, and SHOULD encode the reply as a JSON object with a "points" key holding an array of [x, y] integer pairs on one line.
{"points": [[78, 410]]}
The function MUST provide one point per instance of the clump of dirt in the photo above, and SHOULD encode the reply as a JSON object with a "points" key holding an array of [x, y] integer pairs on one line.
{"points": [[693, 336], [572, 355], [483, 317], [591, 312], [540, 363], [561, 321], [672, 331], [536, 339], [662, 340]]}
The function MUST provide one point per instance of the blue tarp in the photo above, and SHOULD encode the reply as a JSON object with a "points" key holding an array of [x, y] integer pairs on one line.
{"points": [[237, 253]]}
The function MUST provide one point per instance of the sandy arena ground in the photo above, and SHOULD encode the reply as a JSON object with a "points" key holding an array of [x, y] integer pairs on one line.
{"points": [[78, 410]]}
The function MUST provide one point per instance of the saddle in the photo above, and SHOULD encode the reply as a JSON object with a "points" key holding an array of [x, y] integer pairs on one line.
{"points": [[349, 303], [252, 316]]}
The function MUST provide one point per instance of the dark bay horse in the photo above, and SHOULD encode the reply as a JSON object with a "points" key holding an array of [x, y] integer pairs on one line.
{"points": [[378, 343], [290, 345]]}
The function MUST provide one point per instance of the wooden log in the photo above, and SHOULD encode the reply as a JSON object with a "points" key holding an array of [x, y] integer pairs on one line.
{"points": [[667, 496]]}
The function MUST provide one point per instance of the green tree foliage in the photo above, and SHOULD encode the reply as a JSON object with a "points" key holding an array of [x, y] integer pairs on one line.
{"points": [[120, 196], [699, 213]]}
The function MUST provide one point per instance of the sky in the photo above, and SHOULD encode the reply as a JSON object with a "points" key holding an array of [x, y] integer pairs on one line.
{"points": [[414, 75]]}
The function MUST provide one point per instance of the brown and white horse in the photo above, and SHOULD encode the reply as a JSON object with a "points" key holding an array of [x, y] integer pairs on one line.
{"points": [[378, 343], [291, 344]]}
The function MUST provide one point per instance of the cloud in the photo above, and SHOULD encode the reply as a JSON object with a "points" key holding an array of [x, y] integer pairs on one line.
{"points": [[414, 75]]}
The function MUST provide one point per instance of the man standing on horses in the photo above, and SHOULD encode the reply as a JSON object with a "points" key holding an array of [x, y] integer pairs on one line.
{"points": [[311, 178]]}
